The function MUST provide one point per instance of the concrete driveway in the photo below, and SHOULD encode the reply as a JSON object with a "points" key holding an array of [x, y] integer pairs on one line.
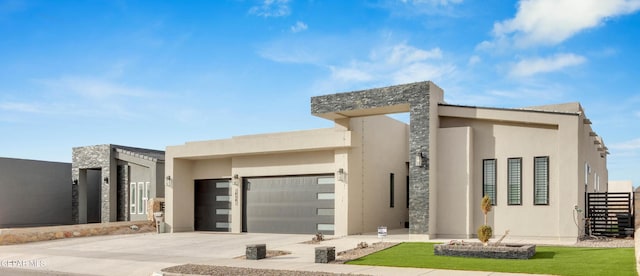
{"points": [[144, 254], [138, 254]]}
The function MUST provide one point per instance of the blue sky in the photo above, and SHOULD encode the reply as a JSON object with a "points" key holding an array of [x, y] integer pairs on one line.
{"points": [[158, 73]]}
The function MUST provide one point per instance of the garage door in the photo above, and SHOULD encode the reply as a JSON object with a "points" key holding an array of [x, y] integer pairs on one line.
{"points": [[212, 205], [291, 204]]}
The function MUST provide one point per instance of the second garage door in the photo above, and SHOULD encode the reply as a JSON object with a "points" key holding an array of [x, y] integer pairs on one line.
{"points": [[289, 204]]}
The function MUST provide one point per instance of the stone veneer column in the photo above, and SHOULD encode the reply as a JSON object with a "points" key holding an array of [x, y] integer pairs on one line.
{"points": [[414, 98], [91, 157]]}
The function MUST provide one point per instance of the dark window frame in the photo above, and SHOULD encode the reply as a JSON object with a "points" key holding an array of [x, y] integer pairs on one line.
{"points": [[407, 191], [495, 180], [510, 185], [392, 185], [546, 179]]}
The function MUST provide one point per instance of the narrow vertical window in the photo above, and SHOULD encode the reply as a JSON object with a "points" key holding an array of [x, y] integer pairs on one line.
{"points": [[514, 181], [407, 191], [145, 198], [489, 179], [541, 180], [132, 198], [391, 190], [140, 197]]}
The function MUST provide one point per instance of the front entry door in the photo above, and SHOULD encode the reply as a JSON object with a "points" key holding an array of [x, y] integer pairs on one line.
{"points": [[212, 205]]}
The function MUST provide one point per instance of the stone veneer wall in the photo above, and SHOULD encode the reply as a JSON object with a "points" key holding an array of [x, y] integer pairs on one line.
{"points": [[477, 250], [91, 157], [123, 192], [417, 96]]}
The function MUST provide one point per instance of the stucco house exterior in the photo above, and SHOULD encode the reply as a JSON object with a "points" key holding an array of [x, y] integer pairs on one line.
{"points": [[370, 170], [34, 193], [114, 183]]}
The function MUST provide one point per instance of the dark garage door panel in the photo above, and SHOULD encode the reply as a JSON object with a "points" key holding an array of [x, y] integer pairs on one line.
{"points": [[286, 204], [207, 203]]}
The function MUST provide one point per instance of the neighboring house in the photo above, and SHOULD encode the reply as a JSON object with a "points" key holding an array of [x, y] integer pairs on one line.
{"points": [[620, 186], [34, 193], [370, 170], [114, 183]]}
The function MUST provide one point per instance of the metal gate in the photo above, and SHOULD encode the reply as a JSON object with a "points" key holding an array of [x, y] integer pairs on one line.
{"points": [[610, 214]]}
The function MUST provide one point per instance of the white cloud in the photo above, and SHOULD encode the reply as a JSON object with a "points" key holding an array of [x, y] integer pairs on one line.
{"points": [[550, 22], [433, 2], [423, 7], [400, 63], [473, 60], [272, 8], [628, 145], [95, 88], [404, 54], [350, 74], [21, 107], [299, 27], [532, 66]]}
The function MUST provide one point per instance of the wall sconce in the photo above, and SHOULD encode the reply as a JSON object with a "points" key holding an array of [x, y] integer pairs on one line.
{"points": [[236, 180], [419, 159], [167, 181], [341, 175], [75, 182], [106, 179]]}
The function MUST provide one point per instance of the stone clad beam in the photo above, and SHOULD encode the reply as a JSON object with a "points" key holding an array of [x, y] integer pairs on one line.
{"points": [[414, 98]]}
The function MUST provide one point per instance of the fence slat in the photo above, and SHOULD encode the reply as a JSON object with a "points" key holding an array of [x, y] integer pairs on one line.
{"points": [[609, 214]]}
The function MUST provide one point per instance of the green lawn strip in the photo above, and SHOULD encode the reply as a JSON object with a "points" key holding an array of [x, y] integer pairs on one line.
{"points": [[557, 260]]}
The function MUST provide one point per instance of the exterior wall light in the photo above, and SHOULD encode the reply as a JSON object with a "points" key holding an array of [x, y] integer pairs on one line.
{"points": [[341, 175], [167, 181], [106, 179], [236, 180], [75, 182], [419, 159]]}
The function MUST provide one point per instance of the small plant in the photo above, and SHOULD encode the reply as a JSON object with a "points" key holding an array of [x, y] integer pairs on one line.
{"points": [[363, 245], [485, 232], [318, 237], [486, 207]]}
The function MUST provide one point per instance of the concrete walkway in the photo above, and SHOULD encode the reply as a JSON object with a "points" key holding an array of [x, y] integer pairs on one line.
{"points": [[144, 254]]}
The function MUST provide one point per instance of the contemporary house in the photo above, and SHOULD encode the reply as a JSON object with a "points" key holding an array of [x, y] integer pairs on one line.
{"points": [[370, 170], [34, 193], [114, 183]]}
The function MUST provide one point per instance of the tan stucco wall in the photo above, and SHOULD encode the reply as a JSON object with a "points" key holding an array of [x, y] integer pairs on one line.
{"points": [[455, 183], [502, 134], [436, 98], [291, 153], [361, 200], [384, 151], [368, 149]]}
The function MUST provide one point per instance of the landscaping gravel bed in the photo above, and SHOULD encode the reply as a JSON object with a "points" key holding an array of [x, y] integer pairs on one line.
{"points": [[341, 257], [606, 242], [226, 270]]}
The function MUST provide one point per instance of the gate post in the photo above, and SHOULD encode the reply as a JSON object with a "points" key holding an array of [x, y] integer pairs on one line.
{"points": [[636, 208]]}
